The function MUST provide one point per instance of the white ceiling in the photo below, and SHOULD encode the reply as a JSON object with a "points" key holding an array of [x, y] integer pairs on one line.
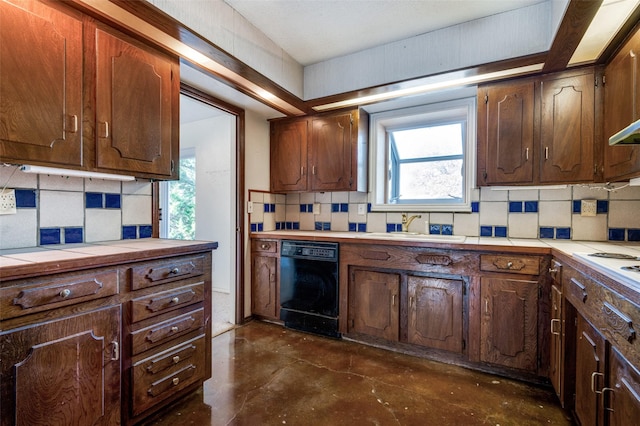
{"points": [[316, 30]]}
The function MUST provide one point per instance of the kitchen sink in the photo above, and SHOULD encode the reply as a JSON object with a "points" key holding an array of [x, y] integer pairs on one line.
{"points": [[416, 236]]}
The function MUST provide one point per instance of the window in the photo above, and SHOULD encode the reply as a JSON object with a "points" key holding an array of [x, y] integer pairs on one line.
{"points": [[178, 201], [422, 158]]}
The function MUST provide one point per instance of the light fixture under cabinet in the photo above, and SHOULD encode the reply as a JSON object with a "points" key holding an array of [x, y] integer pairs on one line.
{"points": [[74, 173]]}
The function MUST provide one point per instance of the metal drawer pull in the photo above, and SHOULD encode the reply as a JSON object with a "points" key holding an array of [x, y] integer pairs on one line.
{"points": [[593, 382], [116, 351], [175, 300], [553, 270], [176, 359], [65, 293], [174, 271], [553, 322], [174, 329], [175, 381]]}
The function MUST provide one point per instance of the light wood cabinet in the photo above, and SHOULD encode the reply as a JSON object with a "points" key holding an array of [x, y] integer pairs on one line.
{"points": [[326, 152], [374, 303], [265, 279], [621, 108], [40, 83], [538, 131]]}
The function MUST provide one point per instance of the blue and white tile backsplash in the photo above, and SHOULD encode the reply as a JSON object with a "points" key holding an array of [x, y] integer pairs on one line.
{"points": [[512, 213], [69, 210]]}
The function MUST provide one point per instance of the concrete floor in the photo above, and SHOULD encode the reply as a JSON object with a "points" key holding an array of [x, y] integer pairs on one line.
{"points": [[264, 374]]}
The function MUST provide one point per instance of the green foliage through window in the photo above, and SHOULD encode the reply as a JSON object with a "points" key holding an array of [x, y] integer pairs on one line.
{"points": [[182, 202]]}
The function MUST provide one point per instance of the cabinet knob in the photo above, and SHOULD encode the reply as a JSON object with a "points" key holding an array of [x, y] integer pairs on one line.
{"points": [[175, 300], [175, 381], [509, 264], [264, 246], [176, 359], [174, 329], [174, 271], [65, 293], [553, 270]]}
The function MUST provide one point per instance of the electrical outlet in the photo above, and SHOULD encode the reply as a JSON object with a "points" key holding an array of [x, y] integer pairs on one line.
{"points": [[8, 201], [249, 206], [588, 208]]}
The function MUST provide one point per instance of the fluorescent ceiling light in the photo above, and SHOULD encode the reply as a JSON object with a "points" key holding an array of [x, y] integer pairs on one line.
{"points": [[74, 173], [605, 25], [441, 82]]}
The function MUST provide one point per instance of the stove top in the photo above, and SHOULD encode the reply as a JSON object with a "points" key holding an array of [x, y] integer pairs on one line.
{"points": [[621, 266]]}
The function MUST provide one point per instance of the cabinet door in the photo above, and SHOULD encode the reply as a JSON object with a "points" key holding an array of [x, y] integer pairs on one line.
{"points": [[624, 399], [374, 304], [331, 153], [621, 89], [505, 133], [63, 372], [590, 369], [134, 96], [555, 347], [509, 323], [40, 83], [567, 129], [289, 156], [264, 286], [435, 313]]}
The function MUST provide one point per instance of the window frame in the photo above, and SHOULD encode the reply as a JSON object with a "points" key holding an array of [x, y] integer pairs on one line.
{"points": [[437, 113]]}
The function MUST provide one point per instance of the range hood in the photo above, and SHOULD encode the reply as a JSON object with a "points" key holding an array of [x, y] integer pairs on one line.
{"points": [[627, 136]]}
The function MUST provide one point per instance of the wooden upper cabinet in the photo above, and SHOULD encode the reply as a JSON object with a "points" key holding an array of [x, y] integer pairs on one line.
{"points": [[326, 152], [567, 129], [289, 155], [505, 133], [40, 83], [621, 108], [134, 107]]}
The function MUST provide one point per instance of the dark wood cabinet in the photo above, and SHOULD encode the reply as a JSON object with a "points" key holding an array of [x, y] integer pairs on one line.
{"points": [[40, 83], [436, 313], [590, 373], [65, 371], [555, 345], [505, 133], [623, 392], [513, 302], [265, 279], [135, 106], [374, 304], [326, 152], [621, 108], [539, 130]]}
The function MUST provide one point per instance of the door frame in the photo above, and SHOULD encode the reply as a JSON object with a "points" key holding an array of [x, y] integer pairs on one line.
{"points": [[239, 114]]}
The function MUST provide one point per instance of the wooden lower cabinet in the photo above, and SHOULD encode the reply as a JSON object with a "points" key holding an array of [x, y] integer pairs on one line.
{"points": [[265, 279], [509, 325], [436, 313], [623, 392], [374, 303], [555, 350], [65, 371], [590, 373]]}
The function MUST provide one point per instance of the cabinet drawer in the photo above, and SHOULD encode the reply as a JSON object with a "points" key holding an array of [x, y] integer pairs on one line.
{"points": [[517, 264], [264, 246], [159, 376], [165, 271], [164, 331], [53, 293], [158, 303]]}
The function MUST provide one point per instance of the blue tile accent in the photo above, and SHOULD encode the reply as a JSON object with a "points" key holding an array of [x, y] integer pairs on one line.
{"points": [[49, 236], [296, 225], [391, 227], [352, 227], [318, 226], [616, 234], [273, 208], [335, 208], [475, 207], [260, 227], [129, 232], [447, 229], [145, 231], [73, 235], [278, 226], [434, 229], [546, 232], [303, 208], [530, 206], [25, 198], [368, 207], [93, 200], [633, 234], [486, 231], [500, 231], [112, 201], [254, 227], [309, 208], [344, 207], [577, 206], [563, 233], [362, 227], [326, 226], [602, 206], [515, 206], [266, 208], [288, 225]]}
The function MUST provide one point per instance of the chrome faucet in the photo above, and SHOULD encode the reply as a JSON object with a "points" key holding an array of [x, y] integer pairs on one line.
{"points": [[406, 221]]}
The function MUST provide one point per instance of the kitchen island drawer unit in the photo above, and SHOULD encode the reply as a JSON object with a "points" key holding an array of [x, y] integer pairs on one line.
{"points": [[159, 303], [166, 271], [166, 328]]}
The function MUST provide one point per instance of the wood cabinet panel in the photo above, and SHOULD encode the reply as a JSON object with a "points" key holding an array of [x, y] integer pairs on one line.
{"points": [[289, 156], [166, 329], [516, 264], [165, 271], [70, 366], [590, 373], [332, 153], [40, 83], [513, 302], [158, 303], [436, 313], [264, 287], [556, 364], [374, 303], [623, 392]]}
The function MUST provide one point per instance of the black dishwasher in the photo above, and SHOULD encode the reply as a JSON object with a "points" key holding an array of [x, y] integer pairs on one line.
{"points": [[309, 286]]}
